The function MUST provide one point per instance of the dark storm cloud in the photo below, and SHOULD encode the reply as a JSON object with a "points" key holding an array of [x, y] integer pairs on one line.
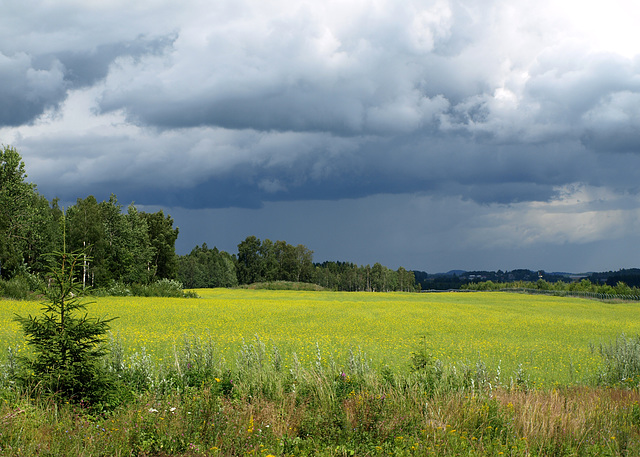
{"points": [[221, 168], [26, 89], [613, 124], [504, 121], [86, 67], [32, 83]]}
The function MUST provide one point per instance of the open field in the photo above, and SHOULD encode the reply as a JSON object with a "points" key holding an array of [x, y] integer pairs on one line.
{"points": [[549, 336], [246, 405]]}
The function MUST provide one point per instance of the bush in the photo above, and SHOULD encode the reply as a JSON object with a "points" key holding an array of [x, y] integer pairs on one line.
{"points": [[16, 288], [621, 361], [160, 288]]}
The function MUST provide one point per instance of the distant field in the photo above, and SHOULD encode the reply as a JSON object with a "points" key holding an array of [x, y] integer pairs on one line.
{"points": [[547, 335]]}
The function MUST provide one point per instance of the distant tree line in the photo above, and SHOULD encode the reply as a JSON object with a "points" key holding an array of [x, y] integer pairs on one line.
{"points": [[584, 285], [265, 261], [135, 247], [531, 279], [377, 278], [131, 247], [629, 276], [207, 268], [458, 278]]}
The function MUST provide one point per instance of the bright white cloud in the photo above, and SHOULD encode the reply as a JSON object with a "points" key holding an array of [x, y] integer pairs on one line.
{"points": [[578, 214]]}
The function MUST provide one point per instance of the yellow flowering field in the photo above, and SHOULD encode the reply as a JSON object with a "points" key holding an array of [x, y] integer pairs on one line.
{"points": [[549, 336]]}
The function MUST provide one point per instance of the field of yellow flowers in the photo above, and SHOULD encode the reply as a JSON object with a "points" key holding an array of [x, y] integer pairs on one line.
{"points": [[549, 337]]}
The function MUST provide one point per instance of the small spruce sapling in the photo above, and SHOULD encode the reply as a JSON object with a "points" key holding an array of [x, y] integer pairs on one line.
{"points": [[68, 346]]}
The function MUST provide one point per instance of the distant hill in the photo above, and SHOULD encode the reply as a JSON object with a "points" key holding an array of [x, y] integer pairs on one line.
{"points": [[454, 279], [630, 276]]}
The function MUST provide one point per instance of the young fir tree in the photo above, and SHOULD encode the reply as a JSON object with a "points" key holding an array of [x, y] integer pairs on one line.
{"points": [[67, 344]]}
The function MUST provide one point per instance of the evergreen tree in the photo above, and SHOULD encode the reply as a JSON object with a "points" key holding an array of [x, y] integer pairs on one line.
{"points": [[67, 346]]}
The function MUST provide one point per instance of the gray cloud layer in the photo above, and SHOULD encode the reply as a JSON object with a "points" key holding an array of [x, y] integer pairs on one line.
{"points": [[236, 104]]}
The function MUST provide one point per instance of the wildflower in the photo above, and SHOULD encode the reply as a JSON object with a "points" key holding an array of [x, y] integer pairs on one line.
{"points": [[153, 410]]}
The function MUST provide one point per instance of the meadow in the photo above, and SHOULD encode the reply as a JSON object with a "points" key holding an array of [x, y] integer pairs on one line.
{"points": [[549, 338], [295, 373]]}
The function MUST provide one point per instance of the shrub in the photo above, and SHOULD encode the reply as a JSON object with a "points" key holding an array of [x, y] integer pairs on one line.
{"points": [[67, 347], [621, 361], [160, 288], [16, 288]]}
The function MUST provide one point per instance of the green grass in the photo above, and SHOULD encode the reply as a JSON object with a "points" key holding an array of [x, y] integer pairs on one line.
{"points": [[548, 336], [195, 403]]}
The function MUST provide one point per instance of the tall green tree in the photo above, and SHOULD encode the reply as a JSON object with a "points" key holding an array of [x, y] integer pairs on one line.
{"points": [[269, 261], [250, 261], [287, 261], [117, 246], [27, 222], [207, 268], [86, 229], [162, 236], [140, 249], [304, 264]]}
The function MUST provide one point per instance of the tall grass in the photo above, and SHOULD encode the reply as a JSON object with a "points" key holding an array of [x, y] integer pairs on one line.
{"points": [[201, 404], [621, 361]]}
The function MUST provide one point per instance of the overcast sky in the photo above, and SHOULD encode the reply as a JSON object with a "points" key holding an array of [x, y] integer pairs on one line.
{"points": [[435, 134]]}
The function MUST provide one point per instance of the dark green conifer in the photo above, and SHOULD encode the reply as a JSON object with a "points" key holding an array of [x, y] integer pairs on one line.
{"points": [[67, 345]]}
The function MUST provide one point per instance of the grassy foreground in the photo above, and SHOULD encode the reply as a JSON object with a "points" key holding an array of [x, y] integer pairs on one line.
{"points": [[391, 374]]}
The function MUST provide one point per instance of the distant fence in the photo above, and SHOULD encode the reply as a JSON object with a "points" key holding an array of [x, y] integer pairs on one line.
{"points": [[447, 290], [574, 293], [555, 293]]}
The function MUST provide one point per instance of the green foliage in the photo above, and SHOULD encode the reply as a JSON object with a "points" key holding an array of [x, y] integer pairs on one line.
{"points": [[197, 406], [348, 276], [160, 288], [67, 346], [265, 261], [260, 261], [428, 369], [207, 268], [131, 248], [621, 361], [250, 261], [119, 245], [282, 285], [28, 225], [16, 288], [162, 237], [583, 287]]}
